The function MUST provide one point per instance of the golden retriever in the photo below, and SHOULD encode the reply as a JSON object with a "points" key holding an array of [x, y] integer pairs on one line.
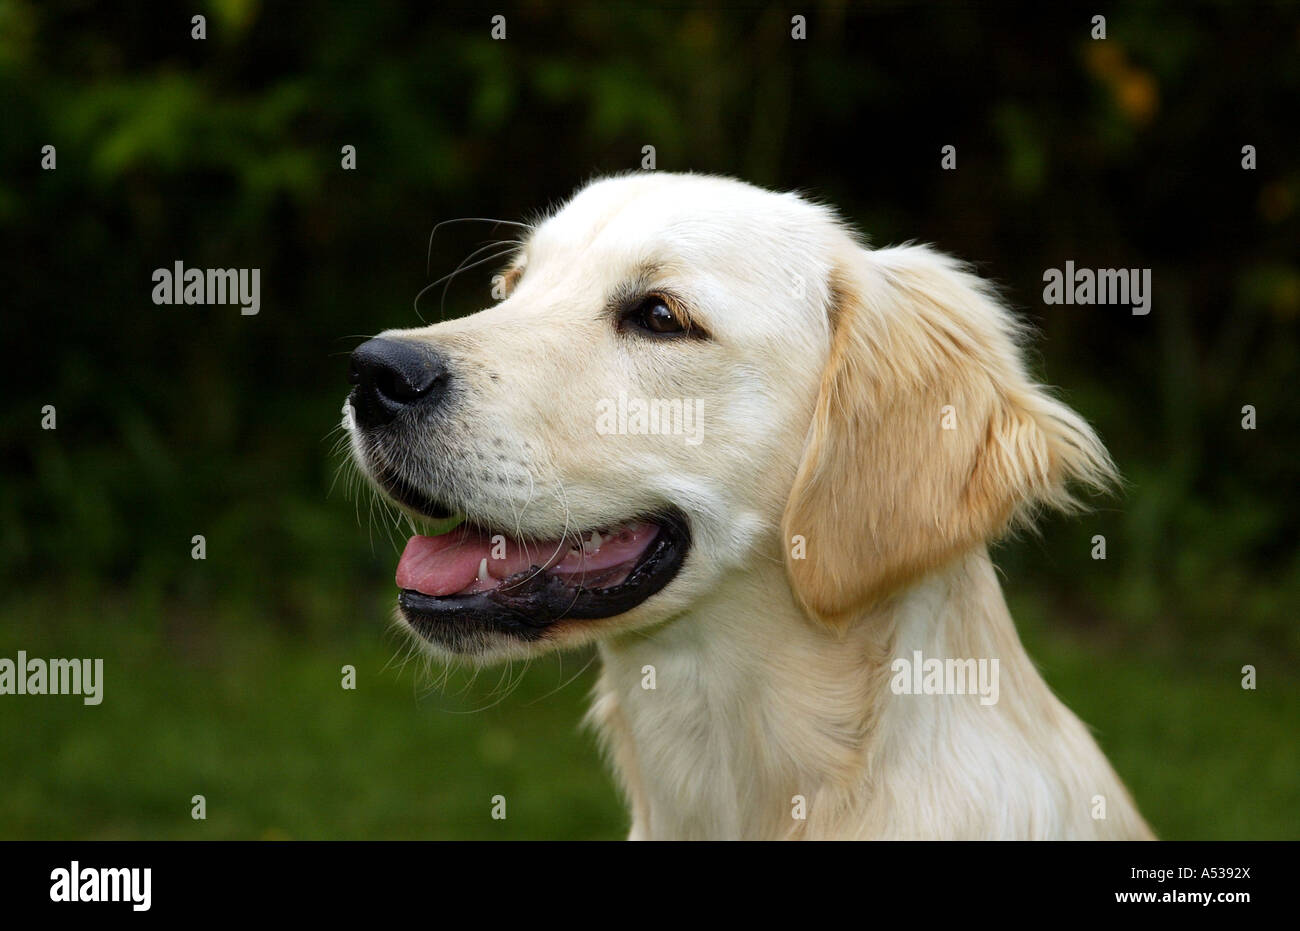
{"points": [[760, 465]]}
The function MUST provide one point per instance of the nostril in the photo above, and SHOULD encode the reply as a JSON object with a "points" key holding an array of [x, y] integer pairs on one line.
{"points": [[396, 386], [393, 374]]}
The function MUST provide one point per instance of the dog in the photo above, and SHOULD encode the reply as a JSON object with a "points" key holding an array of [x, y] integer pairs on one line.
{"points": [[760, 580]]}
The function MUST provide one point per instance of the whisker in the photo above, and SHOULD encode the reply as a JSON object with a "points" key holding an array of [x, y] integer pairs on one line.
{"points": [[428, 255], [464, 268], [565, 684], [442, 304]]}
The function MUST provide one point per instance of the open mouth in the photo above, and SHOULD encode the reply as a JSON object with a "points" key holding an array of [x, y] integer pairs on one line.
{"points": [[473, 578]]}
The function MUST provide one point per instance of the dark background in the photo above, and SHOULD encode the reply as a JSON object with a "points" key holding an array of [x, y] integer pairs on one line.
{"points": [[222, 675]]}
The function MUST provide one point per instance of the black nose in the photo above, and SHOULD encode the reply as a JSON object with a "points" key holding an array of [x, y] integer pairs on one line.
{"points": [[393, 375]]}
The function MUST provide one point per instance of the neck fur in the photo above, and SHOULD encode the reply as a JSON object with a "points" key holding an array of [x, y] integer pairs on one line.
{"points": [[755, 708]]}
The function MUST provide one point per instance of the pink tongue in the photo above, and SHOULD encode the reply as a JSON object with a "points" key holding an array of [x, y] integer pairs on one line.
{"points": [[442, 565], [449, 563], [615, 549]]}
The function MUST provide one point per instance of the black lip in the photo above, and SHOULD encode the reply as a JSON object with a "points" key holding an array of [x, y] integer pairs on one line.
{"points": [[529, 602], [408, 495], [415, 500]]}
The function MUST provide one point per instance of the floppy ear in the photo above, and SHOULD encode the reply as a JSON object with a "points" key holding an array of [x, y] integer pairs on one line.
{"points": [[928, 436]]}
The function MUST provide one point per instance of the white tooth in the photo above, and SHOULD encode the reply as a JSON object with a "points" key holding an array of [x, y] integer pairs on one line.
{"points": [[596, 540], [482, 569]]}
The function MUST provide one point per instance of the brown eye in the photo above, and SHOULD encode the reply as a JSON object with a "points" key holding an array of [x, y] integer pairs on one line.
{"points": [[654, 316]]}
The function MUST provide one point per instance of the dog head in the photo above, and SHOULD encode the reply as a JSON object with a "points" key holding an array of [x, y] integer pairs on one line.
{"points": [[687, 376]]}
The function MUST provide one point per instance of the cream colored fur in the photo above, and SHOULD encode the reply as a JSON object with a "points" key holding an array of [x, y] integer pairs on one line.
{"points": [[828, 379]]}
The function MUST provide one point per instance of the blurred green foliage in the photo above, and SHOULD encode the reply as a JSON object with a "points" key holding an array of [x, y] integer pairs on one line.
{"points": [[174, 421]]}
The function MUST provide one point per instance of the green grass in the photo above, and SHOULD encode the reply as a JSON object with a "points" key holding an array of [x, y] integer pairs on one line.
{"points": [[1204, 758], [262, 728], [258, 723]]}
